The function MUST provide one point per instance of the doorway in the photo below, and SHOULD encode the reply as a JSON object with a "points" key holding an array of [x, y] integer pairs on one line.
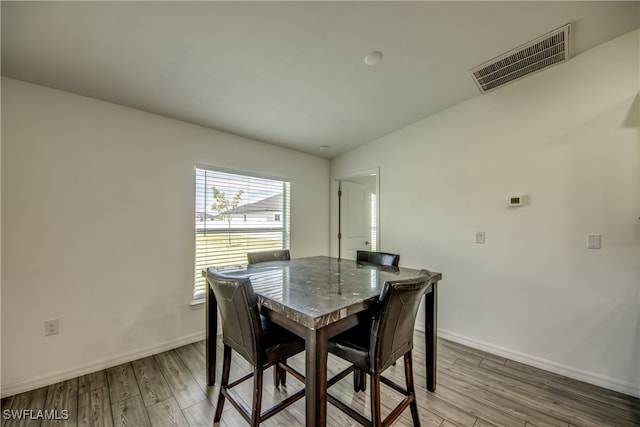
{"points": [[357, 214]]}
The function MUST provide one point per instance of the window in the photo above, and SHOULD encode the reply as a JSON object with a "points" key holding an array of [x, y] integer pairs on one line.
{"points": [[236, 213]]}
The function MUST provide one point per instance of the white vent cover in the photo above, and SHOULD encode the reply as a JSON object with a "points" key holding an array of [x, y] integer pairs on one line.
{"points": [[537, 55]]}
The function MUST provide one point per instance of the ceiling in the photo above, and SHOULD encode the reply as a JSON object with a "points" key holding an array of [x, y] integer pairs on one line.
{"points": [[286, 73]]}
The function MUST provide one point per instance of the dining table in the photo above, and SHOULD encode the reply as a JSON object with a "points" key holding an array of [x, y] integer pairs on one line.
{"points": [[317, 298]]}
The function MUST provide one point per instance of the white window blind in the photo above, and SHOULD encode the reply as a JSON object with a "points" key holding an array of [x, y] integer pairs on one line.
{"points": [[236, 213]]}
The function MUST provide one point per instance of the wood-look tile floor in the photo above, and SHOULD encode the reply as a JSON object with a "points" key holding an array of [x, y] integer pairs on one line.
{"points": [[473, 389]]}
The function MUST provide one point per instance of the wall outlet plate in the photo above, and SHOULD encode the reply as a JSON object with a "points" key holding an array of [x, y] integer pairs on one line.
{"points": [[594, 241], [51, 327]]}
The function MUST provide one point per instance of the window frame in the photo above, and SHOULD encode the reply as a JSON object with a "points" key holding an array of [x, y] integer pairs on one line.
{"points": [[198, 284]]}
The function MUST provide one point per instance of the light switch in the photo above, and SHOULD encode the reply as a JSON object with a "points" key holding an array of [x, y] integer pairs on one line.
{"points": [[594, 241], [479, 236]]}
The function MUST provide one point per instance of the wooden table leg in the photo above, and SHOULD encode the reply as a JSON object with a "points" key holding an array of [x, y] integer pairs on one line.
{"points": [[212, 335], [316, 378], [431, 334]]}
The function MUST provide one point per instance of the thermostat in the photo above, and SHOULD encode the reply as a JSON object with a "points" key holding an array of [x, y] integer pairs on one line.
{"points": [[515, 200]]}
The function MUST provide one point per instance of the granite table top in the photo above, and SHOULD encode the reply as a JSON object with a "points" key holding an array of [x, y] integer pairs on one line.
{"points": [[317, 291]]}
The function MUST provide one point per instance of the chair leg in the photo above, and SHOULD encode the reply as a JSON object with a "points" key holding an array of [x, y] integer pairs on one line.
{"points": [[376, 415], [408, 373], [224, 381], [359, 380], [283, 374], [276, 375], [279, 374], [257, 397]]}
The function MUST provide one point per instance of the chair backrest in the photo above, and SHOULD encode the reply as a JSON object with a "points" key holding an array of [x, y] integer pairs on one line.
{"points": [[264, 256], [394, 322], [378, 258], [239, 312]]}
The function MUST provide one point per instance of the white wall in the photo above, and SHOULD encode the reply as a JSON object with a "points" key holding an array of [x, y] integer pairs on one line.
{"points": [[568, 138], [97, 228]]}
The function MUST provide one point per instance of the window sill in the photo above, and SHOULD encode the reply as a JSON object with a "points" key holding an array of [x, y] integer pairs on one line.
{"points": [[197, 304]]}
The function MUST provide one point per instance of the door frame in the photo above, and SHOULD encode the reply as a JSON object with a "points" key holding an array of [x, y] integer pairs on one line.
{"points": [[335, 205]]}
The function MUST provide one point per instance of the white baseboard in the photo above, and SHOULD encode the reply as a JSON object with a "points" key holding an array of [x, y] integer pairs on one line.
{"points": [[98, 365], [547, 365], [557, 368]]}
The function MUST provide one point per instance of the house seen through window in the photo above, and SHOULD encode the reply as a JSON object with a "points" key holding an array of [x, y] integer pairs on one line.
{"points": [[236, 213]]}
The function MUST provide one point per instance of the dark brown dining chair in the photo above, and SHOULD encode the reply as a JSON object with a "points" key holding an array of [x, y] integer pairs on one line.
{"points": [[279, 375], [384, 259], [378, 258], [264, 256], [255, 338], [373, 346]]}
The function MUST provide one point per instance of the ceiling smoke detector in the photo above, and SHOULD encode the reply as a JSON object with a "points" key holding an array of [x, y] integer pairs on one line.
{"points": [[373, 58], [537, 55]]}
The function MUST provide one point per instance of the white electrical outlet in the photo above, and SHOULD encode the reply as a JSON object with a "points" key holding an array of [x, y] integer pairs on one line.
{"points": [[594, 241], [51, 327], [479, 236]]}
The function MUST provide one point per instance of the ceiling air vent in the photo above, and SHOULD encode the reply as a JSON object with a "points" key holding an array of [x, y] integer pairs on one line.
{"points": [[537, 55]]}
